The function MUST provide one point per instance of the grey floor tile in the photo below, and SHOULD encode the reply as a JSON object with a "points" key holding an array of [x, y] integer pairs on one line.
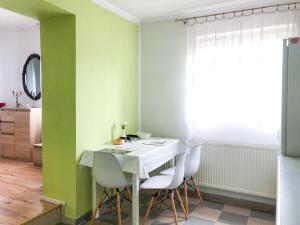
{"points": [[262, 215], [192, 207], [112, 217], [232, 219], [144, 198], [159, 223], [213, 205], [98, 222], [198, 221], [154, 212], [163, 215]]}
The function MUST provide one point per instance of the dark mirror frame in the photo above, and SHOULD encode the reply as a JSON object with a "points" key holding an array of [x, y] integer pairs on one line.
{"points": [[33, 56]]}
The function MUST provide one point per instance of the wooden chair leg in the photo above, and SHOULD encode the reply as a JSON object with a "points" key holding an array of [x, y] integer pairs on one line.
{"points": [[181, 204], [149, 208], [156, 198], [163, 200], [112, 192], [186, 200], [119, 208], [171, 194], [98, 205], [197, 190], [128, 193]]}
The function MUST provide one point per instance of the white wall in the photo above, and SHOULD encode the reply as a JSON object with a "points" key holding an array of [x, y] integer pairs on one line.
{"points": [[162, 73], [162, 108], [9, 64], [15, 46]]}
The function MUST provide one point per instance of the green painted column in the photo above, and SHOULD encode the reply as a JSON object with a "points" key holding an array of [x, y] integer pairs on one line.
{"points": [[90, 83]]}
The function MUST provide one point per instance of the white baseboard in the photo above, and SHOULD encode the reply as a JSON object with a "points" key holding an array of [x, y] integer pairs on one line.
{"points": [[52, 200], [236, 195]]}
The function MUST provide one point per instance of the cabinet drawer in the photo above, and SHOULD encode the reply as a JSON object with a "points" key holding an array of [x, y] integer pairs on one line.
{"points": [[7, 150], [23, 152], [22, 138], [7, 128], [7, 116], [7, 139], [22, 121]]}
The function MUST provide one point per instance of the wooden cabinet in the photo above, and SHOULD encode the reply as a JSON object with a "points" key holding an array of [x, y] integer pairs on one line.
{"points": [[8, 128], [20, 128], [7, 137], [7, 145], [7, 116], [37, 154], [22, 136]]}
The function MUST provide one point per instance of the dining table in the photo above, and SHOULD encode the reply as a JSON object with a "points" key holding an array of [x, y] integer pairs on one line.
{"points": [[138, 158]]}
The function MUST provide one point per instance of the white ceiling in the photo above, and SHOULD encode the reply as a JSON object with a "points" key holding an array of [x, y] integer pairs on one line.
{"points": [[149, 10], [139, 11], [11, 20]]}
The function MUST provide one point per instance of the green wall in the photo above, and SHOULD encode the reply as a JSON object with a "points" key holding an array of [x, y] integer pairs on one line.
{"points": [[59, 108], [107, 84], [90, 83]]}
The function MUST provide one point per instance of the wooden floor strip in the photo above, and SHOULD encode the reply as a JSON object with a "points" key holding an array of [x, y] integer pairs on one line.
{"points": [[20, 191]]}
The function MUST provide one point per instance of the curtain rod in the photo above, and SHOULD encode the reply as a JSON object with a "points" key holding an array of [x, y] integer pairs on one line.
{"points": [[290, 6]]}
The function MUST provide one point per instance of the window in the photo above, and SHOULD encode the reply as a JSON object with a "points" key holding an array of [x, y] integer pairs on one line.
{"points": [[234, 80]]}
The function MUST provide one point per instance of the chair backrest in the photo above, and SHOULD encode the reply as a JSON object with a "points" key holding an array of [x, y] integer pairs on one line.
{"points": [[192, 162], [179, 172], [107, 170]]}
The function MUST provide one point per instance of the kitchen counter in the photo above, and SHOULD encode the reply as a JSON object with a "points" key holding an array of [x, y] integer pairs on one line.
{"points": [[288, 193]]}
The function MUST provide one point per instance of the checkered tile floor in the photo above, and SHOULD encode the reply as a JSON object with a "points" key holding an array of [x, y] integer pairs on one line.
{"points": [[212, 214]]}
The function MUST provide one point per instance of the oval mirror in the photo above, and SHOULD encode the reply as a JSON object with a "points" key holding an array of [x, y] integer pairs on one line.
{"points": [[32, 77]]}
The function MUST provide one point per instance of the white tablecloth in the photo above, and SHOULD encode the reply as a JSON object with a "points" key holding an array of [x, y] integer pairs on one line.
{"points": [[144, 158]]}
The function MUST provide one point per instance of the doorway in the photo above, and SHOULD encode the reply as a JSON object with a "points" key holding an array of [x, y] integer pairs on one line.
{"points": [[58, 102], [21, 119]]}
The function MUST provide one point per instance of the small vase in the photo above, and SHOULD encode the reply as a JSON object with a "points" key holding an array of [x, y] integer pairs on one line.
{"points": [[123, 135]]}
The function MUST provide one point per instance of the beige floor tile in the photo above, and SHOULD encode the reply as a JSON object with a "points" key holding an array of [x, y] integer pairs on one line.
{"points": [[256, 221], [167, 217], [194, 201], [206, 213], [237, 210], [219, 223]]}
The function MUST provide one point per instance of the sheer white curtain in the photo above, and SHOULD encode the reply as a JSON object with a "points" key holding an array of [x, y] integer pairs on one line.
{"points": [[234, 74]]}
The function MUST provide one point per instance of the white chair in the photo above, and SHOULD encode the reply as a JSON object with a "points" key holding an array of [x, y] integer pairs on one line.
{"points": [[108, 173], [192, 165], [169, 183]]}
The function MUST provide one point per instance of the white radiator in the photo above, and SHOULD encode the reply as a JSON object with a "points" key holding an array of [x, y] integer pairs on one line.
{"points": [[239, 168]]}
